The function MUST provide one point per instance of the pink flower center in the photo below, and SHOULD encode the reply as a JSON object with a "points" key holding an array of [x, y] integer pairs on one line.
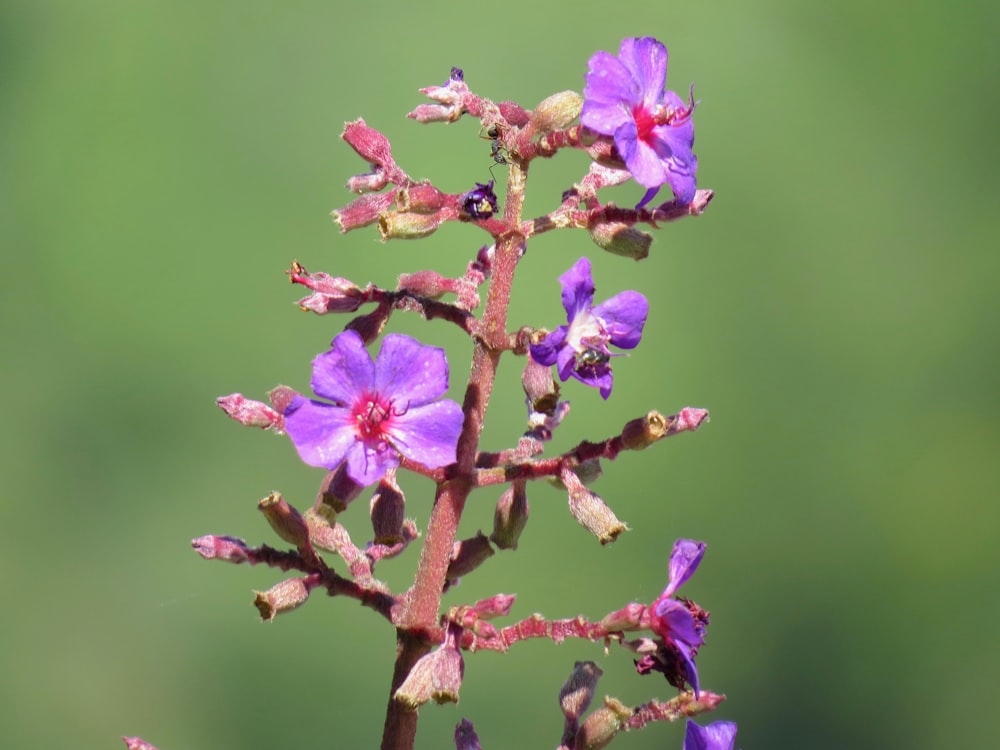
{"points": [[644, 122], [373, 415]]}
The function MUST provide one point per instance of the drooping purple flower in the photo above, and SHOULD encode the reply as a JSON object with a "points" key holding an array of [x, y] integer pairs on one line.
{"points": [[719, 735], [674, 620], [580, 348], [376, 410], [652, 128]]}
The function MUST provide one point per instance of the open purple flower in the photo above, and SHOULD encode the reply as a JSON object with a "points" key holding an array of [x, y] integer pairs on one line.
{"points": [[652, 128], [580, 348], [378, 409], [673, 619], [719, 735]]}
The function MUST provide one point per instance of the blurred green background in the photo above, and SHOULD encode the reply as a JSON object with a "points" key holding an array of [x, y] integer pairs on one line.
{"points": [[161, 163]]}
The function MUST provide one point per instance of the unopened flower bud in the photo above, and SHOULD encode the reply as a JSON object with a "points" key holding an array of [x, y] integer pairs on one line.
{"points": [[621, 239], [540, 389], [388, 507], [420, 198], [590, 510], [643, 432], [283, 597], [428, 284], [436, 675], [689, 418], [469, 554], [138, 743], [510, 516], [224, 548], [367, 182], [287, 522], [362, 212], [330, 293], [249, 412], [601, 726], [370, 144], [393, 225], [578, 691], [629, 617], [514, 113], [336, 492], [556, 112]]}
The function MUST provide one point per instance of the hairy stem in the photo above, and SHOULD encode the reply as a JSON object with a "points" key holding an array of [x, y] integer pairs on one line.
{"points": [[423, 603]]}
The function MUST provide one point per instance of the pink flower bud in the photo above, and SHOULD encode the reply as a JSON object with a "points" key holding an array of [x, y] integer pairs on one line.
{"points": [[250, 413], [510, 516], [370, 144], [137, 743], [331, 293], [388, 507], [281, 398], [629, 617], [284, 597], [590, 510], [224, 548], [287, 522], [362, 212], [469, 554], [420, 198], [436, 675]]}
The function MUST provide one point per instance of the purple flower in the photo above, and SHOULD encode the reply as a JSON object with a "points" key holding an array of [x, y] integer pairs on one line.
{"points": [[675, 620], [481, 201], [379, 409], [581, 348], [652, 128], [719, 735]]}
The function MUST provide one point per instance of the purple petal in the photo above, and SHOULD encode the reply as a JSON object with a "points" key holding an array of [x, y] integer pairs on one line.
{"points": [[642, 160], [321, 433], [565, 363], [428, 434], [719, 735], [624, 317], [345, 371], [577, 288], [546, 350], [646, 59], [684, 561], [609, 86], [675, 622], [367, 462], [408, 371], [690, 669]]}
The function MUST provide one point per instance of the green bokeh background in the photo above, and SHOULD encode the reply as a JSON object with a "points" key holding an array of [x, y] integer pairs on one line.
{"points": [[836, 308]]}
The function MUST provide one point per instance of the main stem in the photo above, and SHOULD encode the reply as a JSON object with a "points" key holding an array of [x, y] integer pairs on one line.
{"points": [[423, 604]]}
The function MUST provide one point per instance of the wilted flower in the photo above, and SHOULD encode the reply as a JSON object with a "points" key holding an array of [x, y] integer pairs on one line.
{"points": [[672, 619], [719, 735], [481, 201], [379, 409], [652, 128], [580, 348]]}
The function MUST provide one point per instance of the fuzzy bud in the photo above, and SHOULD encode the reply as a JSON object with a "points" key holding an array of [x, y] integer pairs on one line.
{"points": [[556, 112], [287, 522], [370, 144], [510, 516], [336, 492], [514, 113], [621, 239], [250, 413], [394, 225], [138, 743], [469, 554], [362, 212], [590, 510], [281, 398], [224, 548], [540, 389], [629, 617], [602, 725], [367, 182], [436, 675], [420, 198], [330, 293], [388, 506], [283, 597], [578, 691]]}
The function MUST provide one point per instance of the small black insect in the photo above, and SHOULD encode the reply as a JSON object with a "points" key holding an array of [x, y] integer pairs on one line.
{"points": [[592, 358]]}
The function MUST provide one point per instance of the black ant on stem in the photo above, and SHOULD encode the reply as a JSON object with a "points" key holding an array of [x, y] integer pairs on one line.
{"points": [[493, 135]]}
